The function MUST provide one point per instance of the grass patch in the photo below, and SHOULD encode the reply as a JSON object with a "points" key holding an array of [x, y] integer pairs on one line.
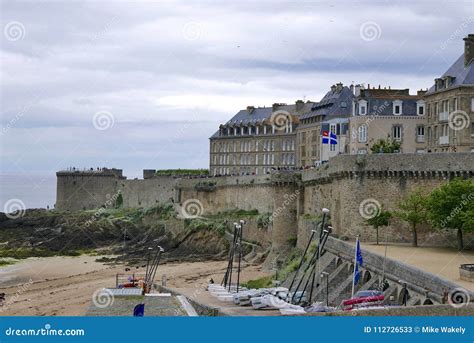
{"points": [[6, 262], [263, 220], [263, 282]]}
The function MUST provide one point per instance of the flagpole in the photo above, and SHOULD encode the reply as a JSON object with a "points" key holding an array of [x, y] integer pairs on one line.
{"points": [[355, 266]]}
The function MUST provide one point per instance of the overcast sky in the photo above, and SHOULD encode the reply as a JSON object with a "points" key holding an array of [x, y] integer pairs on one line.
{"points": [[144, 84]]}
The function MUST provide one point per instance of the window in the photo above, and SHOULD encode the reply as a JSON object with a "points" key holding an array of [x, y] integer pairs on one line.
{"points": [[332, 128], [332, 147], [420, 134], [362, 133], [397, 107], [445, 130], [472, 104], [397, 132], [445, 105], [362, 107], [420, 107]]}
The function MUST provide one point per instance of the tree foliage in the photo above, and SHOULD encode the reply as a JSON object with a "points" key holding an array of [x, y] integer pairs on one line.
{"points": [[451, 206], [413, 211], [382, 218], [385, 146]]}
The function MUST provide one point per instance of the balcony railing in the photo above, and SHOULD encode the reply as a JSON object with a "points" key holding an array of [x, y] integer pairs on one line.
{"points": [[443, 116], [444, 140], [420, 139]]}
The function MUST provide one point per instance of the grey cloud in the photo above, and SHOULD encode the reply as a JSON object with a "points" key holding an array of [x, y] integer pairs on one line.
{"points": [[160, 66]]}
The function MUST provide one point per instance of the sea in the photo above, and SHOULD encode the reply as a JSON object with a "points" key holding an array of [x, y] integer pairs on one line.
{"points": [[32, 190]]}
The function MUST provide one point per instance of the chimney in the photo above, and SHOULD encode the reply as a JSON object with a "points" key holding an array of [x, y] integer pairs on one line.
{"points": [[250, 109], [333, 88], [299, 104], [357, 89], [275, 106], [468, 49], [339, 86]]}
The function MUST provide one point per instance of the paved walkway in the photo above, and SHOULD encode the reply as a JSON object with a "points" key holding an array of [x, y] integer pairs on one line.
{"points": [[225, 308], [443, 262]]}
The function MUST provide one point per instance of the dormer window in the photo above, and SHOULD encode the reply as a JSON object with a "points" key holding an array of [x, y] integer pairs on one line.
{"points": [[397, 107], [420, 108], [362, 107]]}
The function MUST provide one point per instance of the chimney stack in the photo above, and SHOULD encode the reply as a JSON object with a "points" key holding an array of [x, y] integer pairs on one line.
{"points": [[468, 49], [333, 88], [357, 89], [339, 86], [299, 105]]}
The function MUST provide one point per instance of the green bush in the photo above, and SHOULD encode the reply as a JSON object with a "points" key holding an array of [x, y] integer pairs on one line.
{"points": [[262, 282]]}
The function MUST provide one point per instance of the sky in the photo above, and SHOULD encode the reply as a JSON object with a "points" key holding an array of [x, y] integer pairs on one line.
{"points": [[144, 84]]}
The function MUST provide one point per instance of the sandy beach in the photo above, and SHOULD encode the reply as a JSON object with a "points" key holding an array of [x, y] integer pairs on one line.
{"points": [[63, 286]]}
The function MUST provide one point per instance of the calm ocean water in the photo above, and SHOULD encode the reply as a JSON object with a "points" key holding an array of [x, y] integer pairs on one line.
{"points": [[34, 190]]}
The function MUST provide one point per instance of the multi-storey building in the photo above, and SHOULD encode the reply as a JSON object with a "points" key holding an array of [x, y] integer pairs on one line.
{"points": [[391, 114], [330, 114], [450, 106], [256, 140]]}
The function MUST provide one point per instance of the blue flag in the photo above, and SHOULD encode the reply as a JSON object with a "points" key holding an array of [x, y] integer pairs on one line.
{"points": [[139, 310], [358, 262], [329, 138]]}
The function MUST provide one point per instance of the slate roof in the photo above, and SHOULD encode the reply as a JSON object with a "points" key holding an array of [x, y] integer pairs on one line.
{"points": [[259, 114], [380, 101], [334, 104], [462, 75]]}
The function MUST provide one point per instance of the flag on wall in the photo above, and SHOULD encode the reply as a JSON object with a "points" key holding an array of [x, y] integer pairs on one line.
{"points": [[329, 137]]}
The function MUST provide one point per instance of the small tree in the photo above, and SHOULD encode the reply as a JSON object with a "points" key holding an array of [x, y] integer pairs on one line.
{"points": [[413, 211], [119, 201], [452, 206], [385, 146], [381, 219]]}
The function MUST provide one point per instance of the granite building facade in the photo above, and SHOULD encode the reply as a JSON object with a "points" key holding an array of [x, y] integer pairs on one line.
{"points": [[256, 140], [450, 106]]}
